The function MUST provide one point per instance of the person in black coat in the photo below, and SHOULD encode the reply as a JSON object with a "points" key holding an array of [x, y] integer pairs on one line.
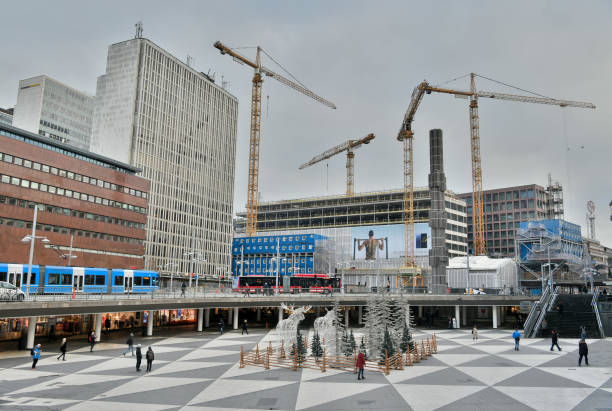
{"points": [[150, 357], [244, 328], [583, 351], [138, 357], [555, 340], [62, 350]]}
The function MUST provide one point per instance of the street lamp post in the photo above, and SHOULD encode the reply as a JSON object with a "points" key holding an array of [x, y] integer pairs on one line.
{"points": [[32, 238]]}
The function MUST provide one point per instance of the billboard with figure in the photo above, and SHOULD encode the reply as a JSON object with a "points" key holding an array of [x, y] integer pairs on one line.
{"points": [[387, 241]]}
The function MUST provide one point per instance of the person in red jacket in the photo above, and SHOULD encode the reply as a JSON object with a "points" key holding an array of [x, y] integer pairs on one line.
{"points": [[360, 364]]}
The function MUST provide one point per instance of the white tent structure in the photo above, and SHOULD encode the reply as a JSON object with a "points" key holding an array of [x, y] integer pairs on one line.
{"points": [[485, 272]]}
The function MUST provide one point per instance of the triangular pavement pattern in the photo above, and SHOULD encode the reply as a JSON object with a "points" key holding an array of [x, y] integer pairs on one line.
{"points": [[273, 398], [35, 402], [182, 366], [176, 396], [114, 406], [533, 377], [309, 374], [12, 374], [558, 399], [447, 376], [222, 388], [385, 398], [530, 360], [317, 393], [72, 358], [456, 359], [488, 399], [431, 397], [204, 353], [227, 343], [491, 349], [147, 384], [116, 364], [582, 375], [598, 400], [70, 379], [413, 372], [492, 375]]}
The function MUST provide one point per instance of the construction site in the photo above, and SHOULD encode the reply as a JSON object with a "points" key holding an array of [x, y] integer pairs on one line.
{"points": [[405, 237]]}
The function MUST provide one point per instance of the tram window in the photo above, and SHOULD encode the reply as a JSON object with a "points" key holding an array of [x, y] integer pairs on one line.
{"points": [[137, 280], [66, 279], [89, 279], [119, 280], [54, 279], [146, 280], [3, 276], [100, 280]]}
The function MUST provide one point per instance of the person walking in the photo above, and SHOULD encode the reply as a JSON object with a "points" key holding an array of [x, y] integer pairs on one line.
{"points": [[138, 357], [244, 328], [475, 334], [517, 338], [360, 365], [150, 357], [221, 325], [35, 355], [107, 324], [130, 344], [583, 351], [183, 288], [555, 340], [582, 332], [63, 348], [92, 341]]}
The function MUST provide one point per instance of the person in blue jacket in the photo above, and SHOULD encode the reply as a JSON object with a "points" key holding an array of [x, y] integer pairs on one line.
{"points": [[517, 338], [35, 355]]}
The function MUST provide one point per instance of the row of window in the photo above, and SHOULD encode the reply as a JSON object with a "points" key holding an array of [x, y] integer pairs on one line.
{"points": [[18, 161], [21, 182], [64, 151], [54, 126], [70, 212], [65, 230]]}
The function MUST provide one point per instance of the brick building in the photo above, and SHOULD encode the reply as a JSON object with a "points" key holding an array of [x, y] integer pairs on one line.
{"points": [[98, 201]]}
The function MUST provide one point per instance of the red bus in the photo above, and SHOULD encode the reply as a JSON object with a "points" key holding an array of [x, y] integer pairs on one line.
{"points": [[299, 283]]}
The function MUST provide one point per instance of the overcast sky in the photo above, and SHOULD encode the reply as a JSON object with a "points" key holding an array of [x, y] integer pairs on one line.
{"points": [[366, 57]]}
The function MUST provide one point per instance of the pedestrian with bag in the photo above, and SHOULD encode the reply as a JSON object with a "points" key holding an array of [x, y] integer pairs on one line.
{"points": [[35, 352], [517, 338], [150, 357], [63, 348], [555, 340], [130, 344], [244, 328], [583, 351], [92, 341], [360, 365], [138, 357]]}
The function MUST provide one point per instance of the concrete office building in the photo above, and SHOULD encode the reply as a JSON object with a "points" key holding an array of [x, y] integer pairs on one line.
{"points": [[157, 113], [99, 201], [506, 208], [52, 109], [6, 116]]}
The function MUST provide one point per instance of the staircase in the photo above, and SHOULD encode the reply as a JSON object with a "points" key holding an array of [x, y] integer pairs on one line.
{"points": [[577, 312]]}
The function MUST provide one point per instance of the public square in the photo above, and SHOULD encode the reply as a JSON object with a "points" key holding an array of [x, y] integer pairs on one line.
{"points": [[200, 371]]}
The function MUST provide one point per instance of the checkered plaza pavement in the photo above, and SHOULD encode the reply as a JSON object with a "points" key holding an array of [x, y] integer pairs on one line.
{"points": [[200, 371]]}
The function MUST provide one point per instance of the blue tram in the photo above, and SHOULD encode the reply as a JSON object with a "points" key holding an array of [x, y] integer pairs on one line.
{"points": [[65, 280]]}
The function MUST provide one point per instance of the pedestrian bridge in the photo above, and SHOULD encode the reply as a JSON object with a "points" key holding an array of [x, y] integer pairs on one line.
{"points": [[51, 305]]}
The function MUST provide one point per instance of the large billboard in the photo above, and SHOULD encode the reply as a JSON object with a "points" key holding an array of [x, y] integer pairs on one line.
{"points": [[378, 242]]}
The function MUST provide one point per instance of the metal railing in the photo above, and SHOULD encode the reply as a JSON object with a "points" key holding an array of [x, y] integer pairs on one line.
{"points": [[545, 309], [596, 310]]}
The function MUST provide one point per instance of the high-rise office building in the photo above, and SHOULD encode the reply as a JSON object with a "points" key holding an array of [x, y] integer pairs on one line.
{"points": [[157, 113], [52, 109], [6, 116]]}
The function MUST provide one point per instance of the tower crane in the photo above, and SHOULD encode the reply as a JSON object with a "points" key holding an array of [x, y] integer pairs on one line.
{"points": [[348, 146], [255, 132], [405, 135]]}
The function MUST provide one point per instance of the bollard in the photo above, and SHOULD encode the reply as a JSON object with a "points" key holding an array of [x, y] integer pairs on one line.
{"points": [[423, 355], [267, 361], [435, 343], [257, 360]]}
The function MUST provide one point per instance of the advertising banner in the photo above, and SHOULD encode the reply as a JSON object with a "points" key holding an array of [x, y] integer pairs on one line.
{"points": [[377, 242]]}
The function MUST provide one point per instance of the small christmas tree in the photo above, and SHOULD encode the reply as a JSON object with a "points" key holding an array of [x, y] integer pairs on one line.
{"points": [[387, 347], [301, 350], [406, 342], [363, 347], [346, 345], [315, 347], [352, 342]]}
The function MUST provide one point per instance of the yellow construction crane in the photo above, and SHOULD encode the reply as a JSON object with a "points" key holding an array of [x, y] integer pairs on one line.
{"points": [[255, 135], [406, 136], [348, 146]]}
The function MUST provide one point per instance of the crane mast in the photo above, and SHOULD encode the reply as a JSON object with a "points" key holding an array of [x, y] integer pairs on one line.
{"points": [[348, 146], [255, 130]]}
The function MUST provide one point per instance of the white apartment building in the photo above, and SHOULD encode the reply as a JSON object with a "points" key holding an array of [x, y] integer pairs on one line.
{"points": [[52, 109], [155, 112]]}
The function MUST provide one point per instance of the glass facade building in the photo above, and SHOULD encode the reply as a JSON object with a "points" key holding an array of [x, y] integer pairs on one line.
{"points": [[157, 113]]}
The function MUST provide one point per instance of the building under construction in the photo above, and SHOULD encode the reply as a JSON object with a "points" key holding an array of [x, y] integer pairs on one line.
{"points": [[354, 223]]}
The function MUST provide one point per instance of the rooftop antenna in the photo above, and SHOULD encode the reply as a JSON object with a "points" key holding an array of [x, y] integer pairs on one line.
{"points": [[189, 60], [138, 30], [224, 84]]}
